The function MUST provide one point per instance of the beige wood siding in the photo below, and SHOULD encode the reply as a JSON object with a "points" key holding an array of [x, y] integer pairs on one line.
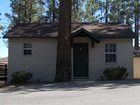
{"points": [[42, 62], [136, 67]]}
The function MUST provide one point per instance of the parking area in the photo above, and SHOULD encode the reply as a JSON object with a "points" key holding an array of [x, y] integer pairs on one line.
{"points": [[125, 92]]}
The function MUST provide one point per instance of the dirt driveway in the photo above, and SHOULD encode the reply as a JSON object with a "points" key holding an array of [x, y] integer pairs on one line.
{"points": [[73, 93]]}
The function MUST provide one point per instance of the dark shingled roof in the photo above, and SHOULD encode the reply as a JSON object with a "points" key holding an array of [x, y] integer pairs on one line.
{"points": [[51, 30]]}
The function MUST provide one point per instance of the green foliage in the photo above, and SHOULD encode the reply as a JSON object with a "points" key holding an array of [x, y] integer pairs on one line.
{"points": [[77, 10], [85, 10], [21, 77], [30, 11], [1, 27], [26, 11], [91, 8], [112, 10], [53, 10], [115, 73]]}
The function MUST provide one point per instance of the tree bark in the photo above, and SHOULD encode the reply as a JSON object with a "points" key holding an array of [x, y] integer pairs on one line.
{"points": [[53, 11], [137, 25], [106, 12], [30, 11], [63, 66], [25, 11]]}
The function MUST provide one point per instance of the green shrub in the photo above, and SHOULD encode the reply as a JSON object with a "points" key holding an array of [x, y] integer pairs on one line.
{"points": [[21, 77], [115, 73]]}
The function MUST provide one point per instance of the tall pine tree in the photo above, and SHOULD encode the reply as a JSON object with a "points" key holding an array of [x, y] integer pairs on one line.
{"points": [[26, 11], [63, 66]]}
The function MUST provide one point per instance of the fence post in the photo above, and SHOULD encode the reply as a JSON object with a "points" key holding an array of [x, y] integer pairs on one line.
{"points": [[5, 74]]}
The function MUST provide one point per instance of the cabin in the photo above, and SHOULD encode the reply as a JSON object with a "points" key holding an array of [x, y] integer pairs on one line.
{"points": [[33, 48]]}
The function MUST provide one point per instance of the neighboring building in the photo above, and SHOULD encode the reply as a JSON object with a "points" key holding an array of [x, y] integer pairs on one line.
{"points": [[33, 48], [136, 60]]}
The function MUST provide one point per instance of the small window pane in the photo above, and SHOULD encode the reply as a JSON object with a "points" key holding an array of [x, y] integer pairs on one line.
{"points": [[110, 50], [106, 47], [110, 58], [27, 45], [27, 49], [27, 52], [110, 47], [114, 47]]}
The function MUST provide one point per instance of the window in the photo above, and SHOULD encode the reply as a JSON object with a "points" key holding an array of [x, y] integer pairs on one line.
{"points": [[27, 49], [110, 53]]}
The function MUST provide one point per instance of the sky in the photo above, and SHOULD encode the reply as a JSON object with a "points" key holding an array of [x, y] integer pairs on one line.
{"points": [[4, 8]]}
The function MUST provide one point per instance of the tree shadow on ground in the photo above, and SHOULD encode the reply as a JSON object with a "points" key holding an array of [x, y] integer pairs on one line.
{"points": [[71, 86]]}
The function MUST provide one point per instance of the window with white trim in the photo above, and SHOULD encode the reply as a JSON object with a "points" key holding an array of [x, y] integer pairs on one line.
{"points": [[27, 49], [110, 53]]}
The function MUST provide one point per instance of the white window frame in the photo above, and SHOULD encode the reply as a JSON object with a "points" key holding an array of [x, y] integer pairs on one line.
{"points": [[110, 51], [28, 48]]}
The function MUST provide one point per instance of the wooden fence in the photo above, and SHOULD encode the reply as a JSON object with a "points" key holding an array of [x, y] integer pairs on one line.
{"points": [[3, 72]]}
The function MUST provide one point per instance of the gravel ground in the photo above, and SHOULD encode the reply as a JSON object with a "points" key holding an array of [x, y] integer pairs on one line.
{"points": [[73, 93]]}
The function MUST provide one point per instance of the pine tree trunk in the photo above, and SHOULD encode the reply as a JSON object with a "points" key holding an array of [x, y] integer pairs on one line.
{"points": [[30, 11], [106, 12], [137, 25], [50, 10], [63, 66], [53, 20], [25, 11]]}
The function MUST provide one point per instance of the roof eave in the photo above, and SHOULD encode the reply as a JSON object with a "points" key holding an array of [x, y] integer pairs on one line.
{"points": [[87, 33]]}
